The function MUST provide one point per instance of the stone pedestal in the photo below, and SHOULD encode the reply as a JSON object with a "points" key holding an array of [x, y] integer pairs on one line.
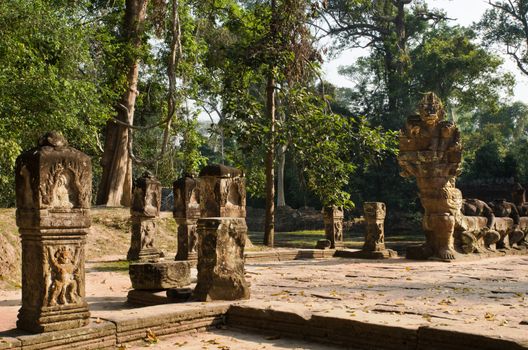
{"points": [[333, 223], [222, 234], [221, 259], [186, 213], [146, 202], [53, 195], [160, 275]]}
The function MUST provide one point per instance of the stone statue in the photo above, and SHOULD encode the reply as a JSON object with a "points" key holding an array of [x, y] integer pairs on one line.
{"points": [[502, 208], [519, 199], [430, 150], [471, 234]]}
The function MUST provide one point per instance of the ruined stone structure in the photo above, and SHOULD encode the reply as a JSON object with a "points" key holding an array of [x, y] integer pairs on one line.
{"points": [[186, 213], [222, 234], [430, 151], [333, 224], [146, 201], [53, 197]]}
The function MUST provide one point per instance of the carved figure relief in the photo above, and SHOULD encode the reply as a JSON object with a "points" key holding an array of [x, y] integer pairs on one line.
{"points": [[338, 230], [63, 276], [148, 231]]}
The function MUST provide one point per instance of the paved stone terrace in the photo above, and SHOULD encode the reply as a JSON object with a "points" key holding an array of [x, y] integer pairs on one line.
{"points": [[487, 297]]}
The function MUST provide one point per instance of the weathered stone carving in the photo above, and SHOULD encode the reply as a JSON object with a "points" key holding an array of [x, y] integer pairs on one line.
{"points": [[186, 213], [475, 229], [222, 234], [53, 194], [430, 150], [514, 235], [374, 247], [146, 202], [333, 222], [375, 234]]}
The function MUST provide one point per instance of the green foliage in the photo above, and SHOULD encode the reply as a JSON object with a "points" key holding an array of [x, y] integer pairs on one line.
{"points": [[504, 24], [47, 81], [463, 74]]}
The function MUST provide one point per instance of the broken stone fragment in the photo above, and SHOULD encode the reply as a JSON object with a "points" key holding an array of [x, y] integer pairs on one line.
{"points": [[221, 260]]}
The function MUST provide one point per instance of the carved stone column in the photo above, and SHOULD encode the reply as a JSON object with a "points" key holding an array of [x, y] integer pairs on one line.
{"points": [[222, 233], [146, 202], [53, 196], [333, 223], [186, 213]]}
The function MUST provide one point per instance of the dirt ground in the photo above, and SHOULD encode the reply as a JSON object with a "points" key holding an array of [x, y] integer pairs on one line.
{"points": [[483, 296]]}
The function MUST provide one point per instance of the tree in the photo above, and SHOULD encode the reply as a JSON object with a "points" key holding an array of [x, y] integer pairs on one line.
{"points": [[273, 51], [115, 186], [506, 24], [385, 27]]}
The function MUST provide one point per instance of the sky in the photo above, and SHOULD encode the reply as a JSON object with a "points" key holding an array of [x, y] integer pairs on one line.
{"points": [[463, 12]]}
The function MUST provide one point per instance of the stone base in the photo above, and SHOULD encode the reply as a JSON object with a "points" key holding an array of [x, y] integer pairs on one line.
{"points": [[191, 256], [149, 298], [53, 318], [364, 254], [160, 275], [149, 254], [323, 244]]}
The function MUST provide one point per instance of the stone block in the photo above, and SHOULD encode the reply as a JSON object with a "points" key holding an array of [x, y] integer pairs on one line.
{"points": [[160, 275], [221, 259], [222, 192], [186, 198], [146, 196]]}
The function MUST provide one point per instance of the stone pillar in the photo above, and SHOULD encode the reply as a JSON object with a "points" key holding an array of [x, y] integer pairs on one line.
{"points": [[222, 233], [53, 197], [333, 223], [146, 202], [374, 246], [186, 213]]}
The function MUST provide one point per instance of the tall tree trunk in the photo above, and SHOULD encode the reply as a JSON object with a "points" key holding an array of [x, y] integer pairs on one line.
{"points": [[115, 188], [269, 227], [281, 199]]}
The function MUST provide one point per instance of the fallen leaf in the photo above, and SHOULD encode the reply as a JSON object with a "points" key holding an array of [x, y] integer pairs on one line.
{"points": [[489, 316], [150, 337]]}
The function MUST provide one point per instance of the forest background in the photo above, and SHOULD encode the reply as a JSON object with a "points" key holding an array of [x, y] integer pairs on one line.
{"points": [[171, 85]]}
